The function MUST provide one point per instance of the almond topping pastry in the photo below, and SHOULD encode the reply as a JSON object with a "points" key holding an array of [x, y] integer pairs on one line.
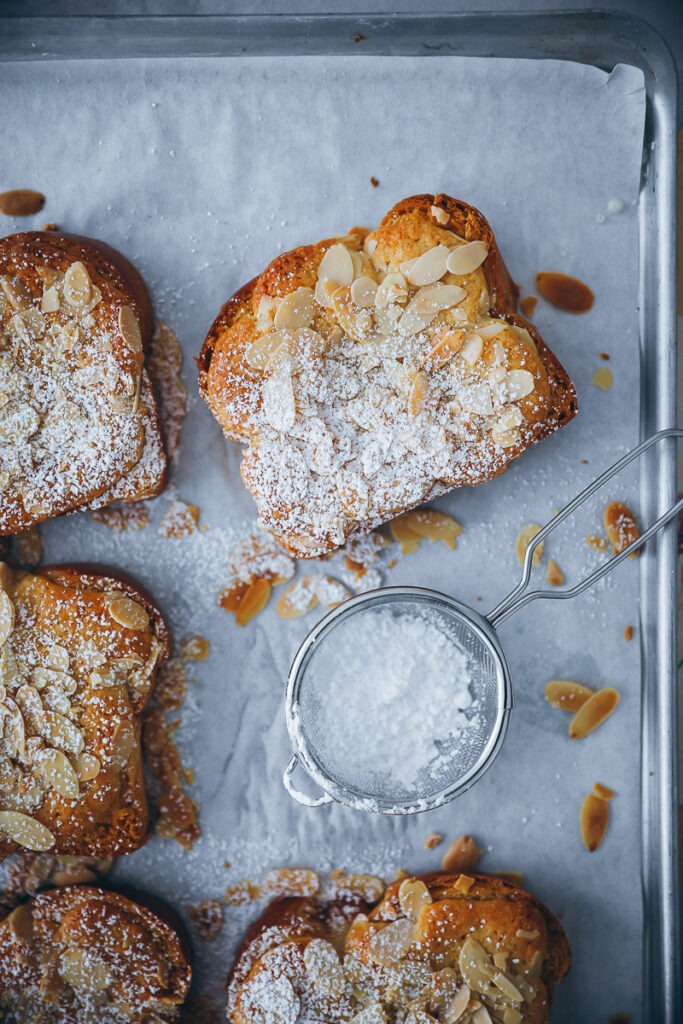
{"points": [[379, 371], [621, 527]]}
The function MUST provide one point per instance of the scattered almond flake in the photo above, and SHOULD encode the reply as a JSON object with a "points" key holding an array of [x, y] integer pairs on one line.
{"points": [[463, 883], [554, 574], [171, 682], [364, 580], [299, 599], [208, 919], [361, 551], [528, 305], [413, 897], [603, 792], [628, 633], [514, 877], [604, 355], [432, 840], [373, 180], [254, 601], [122, 516], [434, 525], [594, 818], [567, 695], [164, 363], [462, 854], [30, 546], [128, 613], [564, 291], [21, 202], [621, 526], [291, 882], [188, 775], [524, 538], [330, 592], [230, 598], [241, 893], [391, 942], [260, 556], [366, 887], [596, 542], [179, 520], [593, 713], [603, 379], [195, 648]]}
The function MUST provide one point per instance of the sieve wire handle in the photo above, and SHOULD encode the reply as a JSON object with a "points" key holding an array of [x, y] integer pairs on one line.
{"points": [[518, 597], [302, 798]]}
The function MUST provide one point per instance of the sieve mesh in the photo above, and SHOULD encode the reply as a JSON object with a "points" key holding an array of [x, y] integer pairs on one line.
{"points": [[350, 771]]}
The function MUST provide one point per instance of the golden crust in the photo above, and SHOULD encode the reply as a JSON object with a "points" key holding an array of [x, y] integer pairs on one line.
{"points": [[497, 915], [78, 668], [70, 955], [71, 420], [234, 386]]}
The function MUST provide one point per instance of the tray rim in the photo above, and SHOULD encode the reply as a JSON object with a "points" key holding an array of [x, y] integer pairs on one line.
{"points": [[600, 38]]}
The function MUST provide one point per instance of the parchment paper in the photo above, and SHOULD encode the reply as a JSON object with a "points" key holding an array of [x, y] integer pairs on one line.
{"points": [[201, 171]]}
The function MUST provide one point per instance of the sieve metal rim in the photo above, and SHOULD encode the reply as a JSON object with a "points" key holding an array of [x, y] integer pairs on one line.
{"points": [[386, 595]]}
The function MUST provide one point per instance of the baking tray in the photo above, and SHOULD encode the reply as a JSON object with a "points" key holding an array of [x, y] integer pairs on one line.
{"points": [[601, 39]]}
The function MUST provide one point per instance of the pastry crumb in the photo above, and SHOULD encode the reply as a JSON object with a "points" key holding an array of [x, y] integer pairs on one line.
{"points": [[432, 840]]}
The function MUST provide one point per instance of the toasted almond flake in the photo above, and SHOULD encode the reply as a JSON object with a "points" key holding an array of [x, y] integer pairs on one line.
{"points": [[260, 351], [461, 855], [440, 215], [628, 633], [26, 831], [519, 384], [241, 893], [432, 840], [603, 378], [16, 292], [254, 601], [593, 713], [291, 882], [122, 745], [295, 311], [595, 542], [321, 961], [6, 617], [299, 599], [402, 531], [434, 525], [447, 344], [419, 389], [528, 305], [336, 265], [567, 695], [463, 883], [77, 285], [49, 302], [621, 526], [594, 818], [500, 959], [128, 613], [413, 897], [57, 658], [390, 943], [87, 767], [367, 887], [472, 349], [456, 1007], [511, 1015], [475, 966], [426, 304], [427, 268], [370, 244], [195, 648], [363, 291], [503, 983], [20, 922], [84, 971], [522, 933], [493, 329], [56, 769], [373, 1014], [21, 202], [330, 592], [603, 792], [466, 258], [393, 288], [554, 574], [524, 538], [129, 329]]}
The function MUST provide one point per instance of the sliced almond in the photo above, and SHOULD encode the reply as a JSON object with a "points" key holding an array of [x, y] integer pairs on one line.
{"points": [[511, 1016], [432, 840], [440, 215], [426, 522], [295, 311], [129, 329], [20, 922], [504, 985], [593, 713], [603, 792], [279, 405], [402, 531], [472, 349], [426, 304], [87, 767], [413, 897], [50, 302], [260, 351], [595, 542], [195, 648], [466, 258], [475, 966], [291, 882], [299, 599], [389, 944], [448, 342], [330, 592], [524, 538], [26, 831], [336, 265], [254, 601], [461, 855], [427, 268], [57, 658], [6, 617], [122, 746], [456, 1007], [518, 384], [603, 379], [392, 288], [463, 883], [56, 769], [21, 202], [493, 329], [417, 394], [368, 887], [16, 292], [594, 818], [128, 613], [567, 695], [554, 574], [363, 292], [77, 285], [621, 526], [84, 971], [324, 968]]}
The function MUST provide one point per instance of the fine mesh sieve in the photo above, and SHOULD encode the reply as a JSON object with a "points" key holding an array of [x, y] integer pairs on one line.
{"points": [[452, 762]]}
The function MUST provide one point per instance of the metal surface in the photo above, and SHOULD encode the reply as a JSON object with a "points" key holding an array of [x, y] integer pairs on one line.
{"points": [[599, 38]]}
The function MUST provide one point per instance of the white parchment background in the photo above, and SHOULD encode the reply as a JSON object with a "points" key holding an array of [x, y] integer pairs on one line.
{"points": [[201, 171]]}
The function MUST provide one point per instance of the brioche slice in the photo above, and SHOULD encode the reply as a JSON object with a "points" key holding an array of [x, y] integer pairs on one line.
{"points": [[83, 955], [471, 948], [370, 373], [75, 318], [79, 650]]}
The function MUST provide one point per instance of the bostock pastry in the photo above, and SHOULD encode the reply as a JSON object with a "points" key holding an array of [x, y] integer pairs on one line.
{"points": [[468, 948], [83, 955], [371, 372], [79, 650], [79, 423]]}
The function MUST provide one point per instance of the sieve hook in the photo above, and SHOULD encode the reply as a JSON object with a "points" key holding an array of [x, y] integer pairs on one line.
{"points": [[518, 597], [301, 798]]}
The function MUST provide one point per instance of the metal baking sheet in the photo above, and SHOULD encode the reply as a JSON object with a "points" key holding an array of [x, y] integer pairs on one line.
{"points": [[139, 196]]}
